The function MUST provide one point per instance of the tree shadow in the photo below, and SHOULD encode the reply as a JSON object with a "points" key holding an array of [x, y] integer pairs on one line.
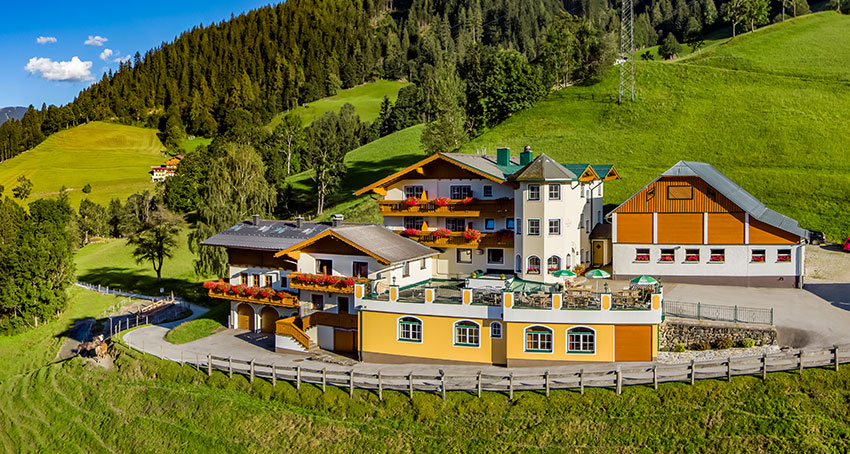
{"points": [[129, 280], [838, 294]]}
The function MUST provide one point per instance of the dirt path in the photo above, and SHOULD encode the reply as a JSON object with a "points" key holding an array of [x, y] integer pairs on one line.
{"points": [[78, 333]]}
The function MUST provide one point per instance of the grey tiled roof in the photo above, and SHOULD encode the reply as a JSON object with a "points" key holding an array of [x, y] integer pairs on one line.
{"points": [[736, 194], [544, 168], [486, 164], [383, 242], [267, 235]]}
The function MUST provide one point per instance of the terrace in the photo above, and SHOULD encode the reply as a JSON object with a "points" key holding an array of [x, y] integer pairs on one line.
{"points": [[260, 295], [324, 283]]}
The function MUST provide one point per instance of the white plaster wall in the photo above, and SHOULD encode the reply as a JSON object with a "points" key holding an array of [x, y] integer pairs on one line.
{"points": [[441, 188], [288, 343], [738, 261], [325, 337], [276, 275], [448, 266], [342, 264], [439, 222]]}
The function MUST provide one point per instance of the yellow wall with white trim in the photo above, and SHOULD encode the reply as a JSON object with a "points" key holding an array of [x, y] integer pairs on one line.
{"points": [[379, 331], [516, 346]]}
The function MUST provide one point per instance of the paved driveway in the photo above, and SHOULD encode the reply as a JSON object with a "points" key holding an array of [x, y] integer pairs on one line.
{"points": [[818, 315]]}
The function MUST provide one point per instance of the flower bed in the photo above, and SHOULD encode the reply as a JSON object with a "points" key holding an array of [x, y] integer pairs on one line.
{"points": [[411, 201], [472, 235], [441, 201], [442, 233]]}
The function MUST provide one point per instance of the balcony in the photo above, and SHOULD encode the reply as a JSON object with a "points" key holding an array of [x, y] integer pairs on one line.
{"points": [[449, 208], [324, 283], [456, 240], [280, 298]]}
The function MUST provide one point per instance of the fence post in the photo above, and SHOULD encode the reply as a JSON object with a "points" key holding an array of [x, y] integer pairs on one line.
{"points": [[410, 384], [764, 366], [380, 386], [835, 357], [736, 313], [137, 319], [655, 376], [479, 384], [511, 386], [801, 362], [619, 380], [546, 377], [298, 377], [699, 311], [351, 383], [251, 379], [325, 378], [693, 372], [729, 369], [771, 316], [443, 385], [209, 365], [581, 381], [229, 367], [181, 358], [274, 375]]}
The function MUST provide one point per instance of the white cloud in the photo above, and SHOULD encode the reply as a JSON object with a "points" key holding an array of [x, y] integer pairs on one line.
{"points": [[96, 40], [45, 39], [60, 71], [106, 54], [123, 59]]}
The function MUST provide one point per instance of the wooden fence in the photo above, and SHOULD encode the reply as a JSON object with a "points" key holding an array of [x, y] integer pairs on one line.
{"points": [[516, 380]]}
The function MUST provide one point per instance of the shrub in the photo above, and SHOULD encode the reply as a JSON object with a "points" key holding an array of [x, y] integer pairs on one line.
{"points": [[679, 348], [87, 188], [670, 47], [724, 343], [702, 345], [748, 343]]}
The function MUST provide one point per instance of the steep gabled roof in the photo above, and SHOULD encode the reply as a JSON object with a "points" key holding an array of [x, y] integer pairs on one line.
{"points": [[736, 194], [544, 168], [266, 235]]}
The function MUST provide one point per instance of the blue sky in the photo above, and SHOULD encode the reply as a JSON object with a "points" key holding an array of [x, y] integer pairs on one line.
{"points": [[32, 72]]}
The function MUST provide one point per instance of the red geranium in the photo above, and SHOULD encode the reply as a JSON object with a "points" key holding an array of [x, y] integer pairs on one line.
{"points": [[466, 200], [442, 233], [209, 285], [283, 295], [783, 258], [224, 287], [252, 291], [348, 282], [411, 201], [642, 258], [267, 292], [472, 235], [441, 201], [238, 289], [410, 232]]}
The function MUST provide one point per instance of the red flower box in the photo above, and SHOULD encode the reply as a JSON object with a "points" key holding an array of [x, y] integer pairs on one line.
{"points": [[783, 258], [348, 282], [472, 235], [533, 269], [758, 258], [224, 287], [718, 258], [410, 232], [441, 201], [692, 258], [253, 291], [283, 295], [642, 258], [239, 289], [411, 201], [442, 233], [466, 200], [267, 292], [666, 258], [209, 285]]}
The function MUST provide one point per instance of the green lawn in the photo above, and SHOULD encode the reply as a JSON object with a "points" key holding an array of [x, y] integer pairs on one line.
{"points": [[203, 326], [110, 262], [782, 137], [189, 145], [365, 98], [115, 159]]}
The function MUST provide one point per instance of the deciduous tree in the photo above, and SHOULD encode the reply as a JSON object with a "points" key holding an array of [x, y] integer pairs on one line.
{"points": [[157, 241]]}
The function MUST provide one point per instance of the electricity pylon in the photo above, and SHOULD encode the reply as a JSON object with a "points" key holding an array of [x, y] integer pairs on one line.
{"points": [[627, 50]]}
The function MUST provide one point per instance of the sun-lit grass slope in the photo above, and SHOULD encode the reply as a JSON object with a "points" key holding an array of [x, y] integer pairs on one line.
{"points": [[812, 46], [114, 159], [110, 262], [365, 98], [189, 145], [366, 164], [784, 139]]}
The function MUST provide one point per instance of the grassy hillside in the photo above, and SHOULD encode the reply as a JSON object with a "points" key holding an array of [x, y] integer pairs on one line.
{"points": [[114, 159], [365, 98], [781, 137], [148, 405]]}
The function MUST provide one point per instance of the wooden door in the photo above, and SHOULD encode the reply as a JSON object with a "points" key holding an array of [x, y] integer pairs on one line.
{"points": [[268, 317], [633, 343], [344, 341], [598, 253], [245, 317]]}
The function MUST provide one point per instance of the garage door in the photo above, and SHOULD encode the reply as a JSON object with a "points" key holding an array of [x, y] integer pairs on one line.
{"points": [[245, 317], [633, 343], [344, 341]]}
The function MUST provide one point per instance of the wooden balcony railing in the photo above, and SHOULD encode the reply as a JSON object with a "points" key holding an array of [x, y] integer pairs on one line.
{"points": [[289, 327], [456, 240], [455, 208], [324, 283], [287, 300]]}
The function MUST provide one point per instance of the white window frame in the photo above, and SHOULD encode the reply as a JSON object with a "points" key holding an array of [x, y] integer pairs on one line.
{"points": [[536, 187], [528, 264], [495, 263], [558, 258], [551, 333], [487, 191], [456, 327], [557, 188], [581, 342], [460, 189], [557, 227], [413, 191], [457, 256], [494, 327], [399, 338], [529, 231]]}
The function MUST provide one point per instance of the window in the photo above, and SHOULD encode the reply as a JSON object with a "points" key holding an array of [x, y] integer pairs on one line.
{"points": [[599, 217], [718, 255], [464, 256], [342, 305], [554, 191], [519, 226], [538, 339], [255, 281], [360, 269], [581, 220], [489, 224], [413, 222], [243, 279], [518, 264], [488, 191], [409, 329], [581, 191], [711, 194], [554, 226], [318, 302], [667, 255], [413, 191], [496, 256], [588, 193], [692, 255], [533, 265], [569, 262], [553, 264], [284, 283], [467, 334], [783, 255], [581, 340], [423, 264], [650, 193], [641, 255], [587, 226], [509, 223], [758, 255], [495, 330], [406, 270], [456, 224], [460, 192], [324, 266], [680, 192], [534, 192], [268, 280], [534, 226]]}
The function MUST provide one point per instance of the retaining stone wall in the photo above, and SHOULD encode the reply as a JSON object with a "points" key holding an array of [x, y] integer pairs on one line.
{"points": [[689, 332]]}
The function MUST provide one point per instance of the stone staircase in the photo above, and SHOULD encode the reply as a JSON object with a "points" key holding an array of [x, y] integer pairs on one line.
{"points": [[317, 354]]}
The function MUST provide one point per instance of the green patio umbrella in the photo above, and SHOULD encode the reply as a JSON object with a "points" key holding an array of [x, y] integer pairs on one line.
{"points": [[644, 281], [597, 274], [564, 273]]}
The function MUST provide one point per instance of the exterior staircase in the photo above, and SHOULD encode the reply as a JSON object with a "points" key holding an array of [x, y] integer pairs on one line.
{"points": [[317, 354]]}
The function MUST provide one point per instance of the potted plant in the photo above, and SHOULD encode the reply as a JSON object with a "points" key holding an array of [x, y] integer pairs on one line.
{"points": [[783, 258], [238, 289], [472, 235], [252, 291], [466, 200], [692, 258], [441, 201], [224, 287], [411, 201], [718, 258], [267, 292], [348, 282], [758, 258], [209, 285], [642, 258], [410, 232], [442, 233]]}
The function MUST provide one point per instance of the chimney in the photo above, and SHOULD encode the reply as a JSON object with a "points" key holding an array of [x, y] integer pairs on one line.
{"points": [[503, 156], [337, 220], [525, 156], [299, 220], [256, 219]]}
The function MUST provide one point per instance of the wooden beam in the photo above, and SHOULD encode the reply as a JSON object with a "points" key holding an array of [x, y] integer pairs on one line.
{"points": [[420, 171]]}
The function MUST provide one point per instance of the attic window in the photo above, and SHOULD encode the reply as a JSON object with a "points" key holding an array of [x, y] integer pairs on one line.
{"points": [[711, 194], [680, 192], [650, 193]]}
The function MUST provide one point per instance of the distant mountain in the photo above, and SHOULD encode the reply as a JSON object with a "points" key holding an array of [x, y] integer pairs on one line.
{"points": [[11, 113]]}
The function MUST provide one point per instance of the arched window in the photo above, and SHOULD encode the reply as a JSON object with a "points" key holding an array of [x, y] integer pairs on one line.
{"points": [[581, 340], [518, 264], [467, 333], [533, 265], [569, 261], [495, 330], [538, 339], [553, 264], [409, 329]]}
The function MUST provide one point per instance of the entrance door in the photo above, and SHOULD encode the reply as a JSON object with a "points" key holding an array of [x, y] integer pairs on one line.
{"points": [[633, 343], [268, 317], [245, 317], [344, 341], [598, 253], [342, 304]]}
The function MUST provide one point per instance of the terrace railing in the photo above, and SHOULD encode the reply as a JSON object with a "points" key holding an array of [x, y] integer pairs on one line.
{"points": [[716, 312], [451, 208]]}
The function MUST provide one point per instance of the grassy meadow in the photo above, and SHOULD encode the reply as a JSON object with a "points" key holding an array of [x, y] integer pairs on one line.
{"points": [[365, 98], [189, 145], [114, 159]]}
